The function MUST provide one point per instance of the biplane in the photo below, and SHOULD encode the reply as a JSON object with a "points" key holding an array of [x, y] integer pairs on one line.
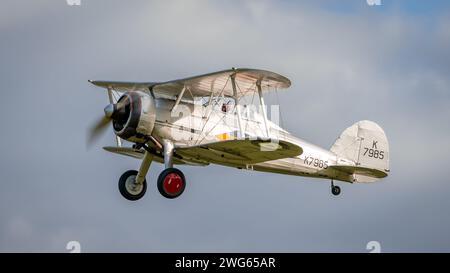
{"points": [[207, 119]]}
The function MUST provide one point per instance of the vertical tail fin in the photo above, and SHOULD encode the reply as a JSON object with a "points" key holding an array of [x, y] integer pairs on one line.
{"points": [[366, 145]]}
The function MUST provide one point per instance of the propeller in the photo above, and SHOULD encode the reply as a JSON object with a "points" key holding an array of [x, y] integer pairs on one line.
{"points": [[117, 112], [98, 129]]}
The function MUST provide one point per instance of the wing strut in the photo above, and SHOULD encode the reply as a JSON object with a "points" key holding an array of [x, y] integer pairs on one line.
{"points": [[110, 97], [180, 96], [237, 106], [263, 107]]}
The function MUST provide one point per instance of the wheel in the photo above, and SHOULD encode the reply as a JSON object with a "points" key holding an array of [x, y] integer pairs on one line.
{"points": [[335, 190], [171, 183], [129, 189]]}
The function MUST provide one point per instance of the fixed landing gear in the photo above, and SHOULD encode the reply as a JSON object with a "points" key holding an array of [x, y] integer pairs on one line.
{"points": [[129, 188], [171, 182], [132, 184], [335, 190]]}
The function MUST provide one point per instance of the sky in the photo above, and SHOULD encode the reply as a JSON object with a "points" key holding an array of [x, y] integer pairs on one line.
{"points": [[347, 61]]}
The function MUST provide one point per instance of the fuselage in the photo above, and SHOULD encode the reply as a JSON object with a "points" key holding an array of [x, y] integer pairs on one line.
{"points": [[193, 123]]}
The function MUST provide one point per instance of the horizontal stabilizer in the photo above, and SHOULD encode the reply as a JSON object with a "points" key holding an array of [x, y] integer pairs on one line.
{"points": [[360, 174]]}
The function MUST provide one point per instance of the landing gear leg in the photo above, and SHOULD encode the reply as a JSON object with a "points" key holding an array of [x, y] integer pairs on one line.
{"points": [[145, 165], [132, 184], [335, 190], [168, 153], [171, 182]]}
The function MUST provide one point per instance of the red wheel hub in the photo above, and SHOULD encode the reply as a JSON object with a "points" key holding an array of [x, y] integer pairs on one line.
{"points": [[173, 183]]}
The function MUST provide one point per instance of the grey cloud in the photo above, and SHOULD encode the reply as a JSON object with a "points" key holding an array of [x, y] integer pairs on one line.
{"points": [[386, 66]]}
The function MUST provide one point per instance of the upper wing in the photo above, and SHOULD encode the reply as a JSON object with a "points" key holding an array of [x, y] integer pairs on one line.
{"points": [[240, 152], [217, 83], [124, 86], [220, 83]]}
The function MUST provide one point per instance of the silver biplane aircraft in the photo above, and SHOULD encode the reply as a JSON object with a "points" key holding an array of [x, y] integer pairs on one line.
{"points": [[201, 120]]}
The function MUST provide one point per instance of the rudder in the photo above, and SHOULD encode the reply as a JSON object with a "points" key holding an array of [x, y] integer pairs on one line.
{"points": [[366, 145]]}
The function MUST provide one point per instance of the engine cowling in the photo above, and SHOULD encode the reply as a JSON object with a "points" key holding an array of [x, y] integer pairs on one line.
{"points": [[133, 116]]}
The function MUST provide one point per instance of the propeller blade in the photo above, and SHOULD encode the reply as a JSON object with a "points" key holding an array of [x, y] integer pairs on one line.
{"points": [[97, 130]]}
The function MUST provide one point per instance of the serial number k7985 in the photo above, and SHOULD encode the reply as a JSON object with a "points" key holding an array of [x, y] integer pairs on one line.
{"points": [[373, 153], [318, 163]]}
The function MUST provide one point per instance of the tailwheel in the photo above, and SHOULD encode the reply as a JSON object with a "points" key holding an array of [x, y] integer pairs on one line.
{"points": [[335, 190], [128, 187], [171, 183]]}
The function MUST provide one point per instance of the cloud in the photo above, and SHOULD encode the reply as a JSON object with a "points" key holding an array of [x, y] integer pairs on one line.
{"points": [[346, 64]]}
